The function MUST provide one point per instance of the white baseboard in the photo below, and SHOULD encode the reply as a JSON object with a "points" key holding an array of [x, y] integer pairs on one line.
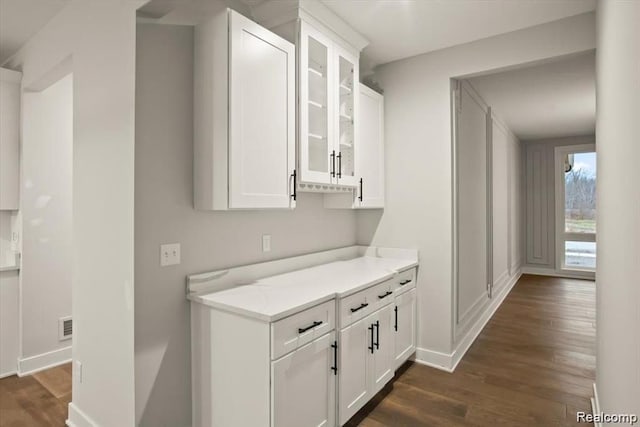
{"points": [[33, 364], [77, 418], [595, 405], [537, 271], [7, 374], [449, 361]]}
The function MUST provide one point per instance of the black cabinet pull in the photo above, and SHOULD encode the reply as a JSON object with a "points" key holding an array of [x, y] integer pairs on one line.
{"points": [[333, 163], [295, 194], [372, 342], [395, 326], [386, 294], [313, 325], [360, 196], [377, 334], [334, 368], [340, 164], [363, 305], [404, 282]]}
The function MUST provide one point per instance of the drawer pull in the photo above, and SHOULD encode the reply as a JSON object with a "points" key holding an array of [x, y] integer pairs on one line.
{"points": [[313, 325], [404, 282], [363, 305], [386, 294]]}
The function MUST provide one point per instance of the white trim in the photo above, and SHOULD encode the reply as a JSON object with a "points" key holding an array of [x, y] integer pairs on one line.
{"points": [[77, 418], [449, 361], [569, 274], [33, 364], [8, 374], [595, 405]]}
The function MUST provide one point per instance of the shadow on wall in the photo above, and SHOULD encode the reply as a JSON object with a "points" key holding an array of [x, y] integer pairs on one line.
{"points": [[367, 225]]}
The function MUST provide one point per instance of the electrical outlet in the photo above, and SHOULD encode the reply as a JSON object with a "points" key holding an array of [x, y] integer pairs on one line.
{"points": [[266, 242], [169, 254]]}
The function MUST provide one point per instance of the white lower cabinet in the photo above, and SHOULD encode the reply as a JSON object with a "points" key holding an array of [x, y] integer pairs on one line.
{"points": [[303, 387], [366, 360], [404, 326]]}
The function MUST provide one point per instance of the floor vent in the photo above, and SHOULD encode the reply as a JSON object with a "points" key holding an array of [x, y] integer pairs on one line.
{"points": [[65, 328]]}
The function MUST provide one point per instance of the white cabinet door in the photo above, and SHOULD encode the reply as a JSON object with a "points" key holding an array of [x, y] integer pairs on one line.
{"points": [[370, 146], [346, 97], [9, 139], [262, 116], [316, 110], [356, 347], [303, 387], [382, 368], [405, 326]]}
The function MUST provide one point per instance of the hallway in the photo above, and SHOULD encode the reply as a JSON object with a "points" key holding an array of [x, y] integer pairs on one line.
{"points": [[532, 365]]}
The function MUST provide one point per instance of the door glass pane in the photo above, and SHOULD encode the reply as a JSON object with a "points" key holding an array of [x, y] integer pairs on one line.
{"points": [[580, 255], [318, 116], [580, 193], [347, 93]]}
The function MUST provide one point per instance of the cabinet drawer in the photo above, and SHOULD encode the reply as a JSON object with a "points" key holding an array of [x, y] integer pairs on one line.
{"points": [[299, 329], [405, 281], [361, 304]]}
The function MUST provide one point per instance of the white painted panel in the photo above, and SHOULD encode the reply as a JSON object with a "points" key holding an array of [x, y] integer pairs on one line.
{"points": [[383, 366], [262, 120], [370, 148], [9, 139], [405, 326], [354, 380], [500, 209], [471, 165], [8, 322], [304, 386]]}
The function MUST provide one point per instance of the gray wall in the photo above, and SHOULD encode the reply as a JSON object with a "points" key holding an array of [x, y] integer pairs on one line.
{"points": [[540, 224], [210, 240]]}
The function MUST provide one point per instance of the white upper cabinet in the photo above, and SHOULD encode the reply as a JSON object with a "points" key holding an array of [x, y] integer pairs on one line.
{"points": [[9, 139], [244, 125], [369, 155], [328, 74]]}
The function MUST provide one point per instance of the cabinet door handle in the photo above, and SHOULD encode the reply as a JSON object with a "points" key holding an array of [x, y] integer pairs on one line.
{"points": [[334, 368], [313, 325], [295, 194], [333, 163], [377, 334], [386, 294], [404, 282], [395, 326], [363, 305], [361, 185], [340, 164], [372, 342]]}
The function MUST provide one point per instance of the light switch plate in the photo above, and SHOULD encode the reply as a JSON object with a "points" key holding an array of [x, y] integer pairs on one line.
{"points": [[266, 242], [169, 254]]}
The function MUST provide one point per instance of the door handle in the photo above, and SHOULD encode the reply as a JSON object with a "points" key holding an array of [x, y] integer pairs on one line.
{"points": [[295, 194], [386, 294], [361, 185], [377, 334], [313, 325], [363, 305], [372, 342], [395, 326], [340, 164], [334, 368], [333, 163]]}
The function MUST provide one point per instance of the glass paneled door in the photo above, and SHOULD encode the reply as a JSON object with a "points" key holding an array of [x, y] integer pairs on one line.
{"points": [[576, 207], [346, 98]]}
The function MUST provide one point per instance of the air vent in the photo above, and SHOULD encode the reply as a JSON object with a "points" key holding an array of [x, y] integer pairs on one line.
{"points": [[65, 328]]}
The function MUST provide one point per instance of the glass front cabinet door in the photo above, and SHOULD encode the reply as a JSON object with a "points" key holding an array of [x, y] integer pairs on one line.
{"points": [[327, 76]]}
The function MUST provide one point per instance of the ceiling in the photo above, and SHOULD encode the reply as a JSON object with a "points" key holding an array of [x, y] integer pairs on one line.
{"points": [[402, 28], [22, 19], [550, 100]]}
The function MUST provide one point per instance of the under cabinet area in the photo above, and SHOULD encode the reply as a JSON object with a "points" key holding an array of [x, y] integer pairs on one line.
{"points": [[244, 115], [302, 348]]}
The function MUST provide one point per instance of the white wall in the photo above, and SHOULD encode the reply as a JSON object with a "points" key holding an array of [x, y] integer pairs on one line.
{"points": [[540, 203], [209, 240], [618, 207], [96, 41], [418, 211], [46, 204]]}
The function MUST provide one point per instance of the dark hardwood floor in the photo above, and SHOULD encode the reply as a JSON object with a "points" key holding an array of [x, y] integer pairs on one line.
{"points": [[36, 400], [532, 365]]}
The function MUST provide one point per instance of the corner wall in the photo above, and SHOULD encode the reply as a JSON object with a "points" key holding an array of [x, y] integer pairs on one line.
{"points": [[96, 41], [419, 192], [209, 240]]}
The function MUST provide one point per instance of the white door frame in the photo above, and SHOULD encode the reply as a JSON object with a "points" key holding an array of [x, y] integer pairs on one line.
{"points": [[559, 182]]}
